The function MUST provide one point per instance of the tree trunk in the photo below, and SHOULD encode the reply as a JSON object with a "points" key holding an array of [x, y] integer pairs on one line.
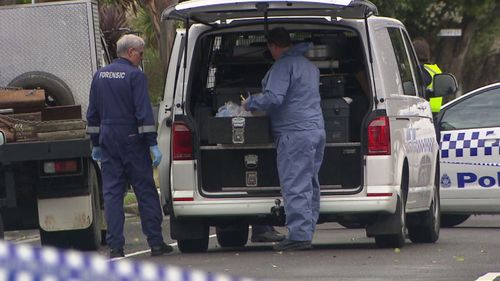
{"points": [[451, 52], [166, 35], [164, 32]]}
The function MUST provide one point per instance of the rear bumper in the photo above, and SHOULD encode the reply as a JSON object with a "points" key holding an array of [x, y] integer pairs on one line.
{"points": [[338, 205]]}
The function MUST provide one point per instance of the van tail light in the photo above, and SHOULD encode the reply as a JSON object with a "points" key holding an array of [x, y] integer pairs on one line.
{"points": [[60, 167], [379, 137], [182, 141]]}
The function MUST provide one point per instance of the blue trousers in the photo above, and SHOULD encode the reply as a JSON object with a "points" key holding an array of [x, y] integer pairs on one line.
{"points": [[126, 160], [299, 157]]}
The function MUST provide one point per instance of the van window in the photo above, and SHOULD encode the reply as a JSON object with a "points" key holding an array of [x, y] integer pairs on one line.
{"points": [[232, 64], [415, 66], [403, 62]]}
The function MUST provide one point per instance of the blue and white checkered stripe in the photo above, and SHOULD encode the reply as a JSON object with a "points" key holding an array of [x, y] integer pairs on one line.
{"points": [[421, 145], [468, 144], [26, 263]]}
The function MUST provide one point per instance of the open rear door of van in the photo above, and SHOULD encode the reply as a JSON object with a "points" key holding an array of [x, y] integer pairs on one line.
{"points": [[218, 11]]}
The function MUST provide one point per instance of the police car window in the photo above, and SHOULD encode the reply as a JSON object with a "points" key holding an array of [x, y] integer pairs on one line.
{"points": [[403, 61], [478, 111]]}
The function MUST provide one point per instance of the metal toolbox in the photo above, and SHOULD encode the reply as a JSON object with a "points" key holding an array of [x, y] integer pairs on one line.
{"points": [[239, 130], [331, 86], [336, 116]]}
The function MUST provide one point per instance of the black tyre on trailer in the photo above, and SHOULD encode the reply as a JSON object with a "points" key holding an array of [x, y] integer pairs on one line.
{"points": [[57, 91]]}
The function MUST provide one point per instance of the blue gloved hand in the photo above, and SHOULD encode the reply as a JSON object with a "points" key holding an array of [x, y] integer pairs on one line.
{"points": [[96, 153], [156, 155]]}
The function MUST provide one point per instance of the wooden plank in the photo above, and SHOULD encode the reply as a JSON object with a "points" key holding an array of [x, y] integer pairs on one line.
{"points": [[61, 135], [63, 112], [60, 125]]}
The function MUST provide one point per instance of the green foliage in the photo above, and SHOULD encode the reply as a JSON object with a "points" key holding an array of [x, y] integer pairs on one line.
{"points": [[154, 72], [142, 22], [152, 63]]}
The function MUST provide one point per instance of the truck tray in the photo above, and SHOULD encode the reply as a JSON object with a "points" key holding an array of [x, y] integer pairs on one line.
{"points": [[44, 150]]}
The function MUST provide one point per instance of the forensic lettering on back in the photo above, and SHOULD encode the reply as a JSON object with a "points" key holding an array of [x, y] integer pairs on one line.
{"points": [[112, 75]]}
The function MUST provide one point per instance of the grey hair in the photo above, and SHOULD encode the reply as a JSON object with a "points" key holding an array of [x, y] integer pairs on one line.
{"points": [[128, 41]]}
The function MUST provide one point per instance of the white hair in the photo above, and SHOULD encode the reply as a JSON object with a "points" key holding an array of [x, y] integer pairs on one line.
{"points": [[128, 41]]}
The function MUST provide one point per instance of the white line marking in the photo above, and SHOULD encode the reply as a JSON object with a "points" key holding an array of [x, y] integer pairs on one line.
{"points": [[149, 250], [490, 276]]}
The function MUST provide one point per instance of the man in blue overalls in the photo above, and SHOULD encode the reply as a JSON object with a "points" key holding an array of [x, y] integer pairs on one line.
{"points": [[290, 97], [121, 124]]}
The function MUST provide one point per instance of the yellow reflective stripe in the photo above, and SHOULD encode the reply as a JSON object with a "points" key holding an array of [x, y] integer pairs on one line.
{"points": [[433, 69], [436, 104]]}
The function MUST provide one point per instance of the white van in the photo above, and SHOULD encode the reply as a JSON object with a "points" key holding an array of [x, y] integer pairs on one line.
{"points": [[379, 168]]}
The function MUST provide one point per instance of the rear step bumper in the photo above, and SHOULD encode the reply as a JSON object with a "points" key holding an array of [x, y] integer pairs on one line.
{"points": [[257, 207]]}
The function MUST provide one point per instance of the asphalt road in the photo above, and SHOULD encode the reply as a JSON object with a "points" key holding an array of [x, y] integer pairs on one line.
{"points": [[462, 253]]}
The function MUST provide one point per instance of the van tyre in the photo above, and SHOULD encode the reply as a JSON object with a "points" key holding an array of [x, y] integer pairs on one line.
{"points": [[451, 220], [56, 91], [396, 240], [194, 245], [232, 236], [427, 224]]}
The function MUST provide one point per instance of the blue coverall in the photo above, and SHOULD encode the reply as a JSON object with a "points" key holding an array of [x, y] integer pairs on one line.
{"points": [[290, 97], [120, 121]]}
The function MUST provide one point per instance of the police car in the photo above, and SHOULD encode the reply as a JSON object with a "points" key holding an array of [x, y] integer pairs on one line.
{"points": [[469, 129]]}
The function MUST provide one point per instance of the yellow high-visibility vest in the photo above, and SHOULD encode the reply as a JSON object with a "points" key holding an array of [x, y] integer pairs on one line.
{"points": [[435, 102]]}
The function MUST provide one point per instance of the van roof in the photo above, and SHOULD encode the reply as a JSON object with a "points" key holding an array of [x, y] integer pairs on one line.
{"points": [[210, 11]]}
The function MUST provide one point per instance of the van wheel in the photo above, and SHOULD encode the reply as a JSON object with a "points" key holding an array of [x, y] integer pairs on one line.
{"points": [[450, 220], [427, 228], [193, 245], [395, 240], [232, 236], [56, 91]]}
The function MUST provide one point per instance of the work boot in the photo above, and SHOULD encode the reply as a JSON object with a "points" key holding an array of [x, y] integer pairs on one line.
{"points": [[268, 236], [116, 253], [160, 250], [292, 245]]}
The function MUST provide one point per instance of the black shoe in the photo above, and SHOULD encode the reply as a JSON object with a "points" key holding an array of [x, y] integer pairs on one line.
{"points": [[116, 253], [160, 250], [268, 236], [292, 245]]}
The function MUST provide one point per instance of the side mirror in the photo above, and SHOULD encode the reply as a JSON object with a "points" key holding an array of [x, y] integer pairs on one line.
{"points": [[444, 85], [2, 138]]}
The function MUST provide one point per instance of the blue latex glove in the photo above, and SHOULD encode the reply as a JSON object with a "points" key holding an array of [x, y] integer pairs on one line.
{"points": [[96, 153], [156, 155]]}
